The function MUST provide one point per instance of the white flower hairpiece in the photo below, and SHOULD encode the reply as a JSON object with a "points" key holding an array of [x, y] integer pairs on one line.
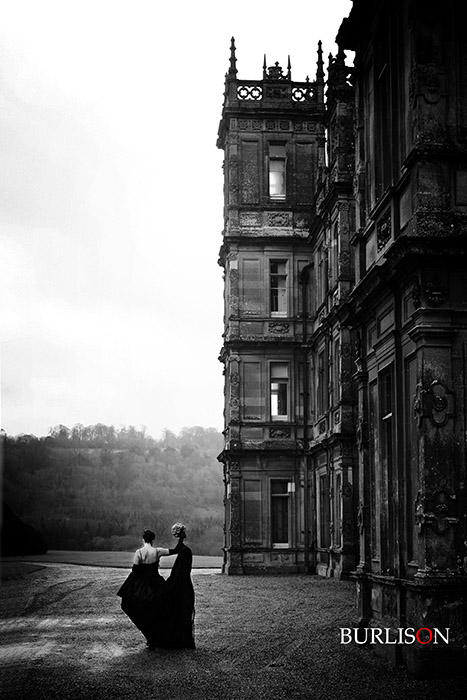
{"points": [[177, 529]]}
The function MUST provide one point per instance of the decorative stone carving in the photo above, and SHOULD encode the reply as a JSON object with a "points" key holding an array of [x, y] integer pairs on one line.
{"points": [[435, 292], [275, 72], [277, 218], [301, 220], [234, 466], [345, 350], [280, 433], [434, 509], [234, 398], [436, 404], [249, 92], [383, 229], [416, 295], [234, 293], [278, 328], [250, 218], [276, 92], [344, 258], [429, 82]]}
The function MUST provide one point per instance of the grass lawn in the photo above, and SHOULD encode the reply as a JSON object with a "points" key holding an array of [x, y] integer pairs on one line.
{"points": [[115, 559]]}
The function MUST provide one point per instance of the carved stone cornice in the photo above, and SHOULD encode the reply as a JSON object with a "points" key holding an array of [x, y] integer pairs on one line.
{"points": [[429, 335]]}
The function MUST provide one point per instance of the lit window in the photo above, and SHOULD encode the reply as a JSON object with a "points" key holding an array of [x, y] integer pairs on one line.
{"points": [[279, 391], [278, 287], [277, 171], [280, 512]]}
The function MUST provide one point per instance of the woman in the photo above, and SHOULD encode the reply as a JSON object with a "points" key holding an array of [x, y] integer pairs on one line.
{"points": [[162, 610], [179, 598]]}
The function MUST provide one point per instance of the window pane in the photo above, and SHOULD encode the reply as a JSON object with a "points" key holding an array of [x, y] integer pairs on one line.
{"points": [[279, 399], [277, 165], [279, 512], [276, 170], [279, 390], [278, 287], [277, 183], [282, 399], [277, 267], [252, 510]]}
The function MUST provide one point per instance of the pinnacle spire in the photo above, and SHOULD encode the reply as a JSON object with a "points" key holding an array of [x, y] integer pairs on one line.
{"points": [[320, 64], [233, 59]]}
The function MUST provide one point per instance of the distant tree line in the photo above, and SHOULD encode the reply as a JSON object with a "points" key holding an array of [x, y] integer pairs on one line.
{"points": [[97, 487]]}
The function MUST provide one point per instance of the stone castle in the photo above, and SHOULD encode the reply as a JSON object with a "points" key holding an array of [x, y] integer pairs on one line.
{"points": [[345, 329]]}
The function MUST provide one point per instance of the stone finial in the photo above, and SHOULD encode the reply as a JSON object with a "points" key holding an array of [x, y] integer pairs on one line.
{"points": [[320, 64], [233, 60]]}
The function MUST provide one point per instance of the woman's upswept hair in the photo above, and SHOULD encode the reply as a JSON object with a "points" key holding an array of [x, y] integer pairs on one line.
{"points": [[178, 529], [149, 536]]}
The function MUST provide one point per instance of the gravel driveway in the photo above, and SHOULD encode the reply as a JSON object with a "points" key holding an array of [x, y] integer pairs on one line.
{"points": [[63, 635]]}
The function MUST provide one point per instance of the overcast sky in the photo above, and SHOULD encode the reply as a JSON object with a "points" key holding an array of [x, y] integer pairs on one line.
{"points": [[111, 200]]}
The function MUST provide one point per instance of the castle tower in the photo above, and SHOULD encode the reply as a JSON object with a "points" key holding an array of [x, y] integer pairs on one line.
{"points": [[273, 135]]}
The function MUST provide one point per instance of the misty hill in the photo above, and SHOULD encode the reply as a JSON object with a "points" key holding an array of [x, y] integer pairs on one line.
{"points": [[96, 487]]}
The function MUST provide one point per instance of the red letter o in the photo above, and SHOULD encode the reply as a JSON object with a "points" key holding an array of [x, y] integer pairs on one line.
{"points": [[428, 640]]}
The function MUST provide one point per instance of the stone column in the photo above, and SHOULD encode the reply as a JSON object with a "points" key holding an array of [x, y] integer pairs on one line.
{"points": [[437, 595], [235, 563]]}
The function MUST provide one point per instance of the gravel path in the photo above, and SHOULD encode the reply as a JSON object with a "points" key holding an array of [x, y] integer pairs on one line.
{"points": [[63, 635]]}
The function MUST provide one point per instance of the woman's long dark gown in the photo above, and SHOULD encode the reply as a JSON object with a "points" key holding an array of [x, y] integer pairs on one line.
{"points": [[163, 610], [179, 605], [141, 595]]}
